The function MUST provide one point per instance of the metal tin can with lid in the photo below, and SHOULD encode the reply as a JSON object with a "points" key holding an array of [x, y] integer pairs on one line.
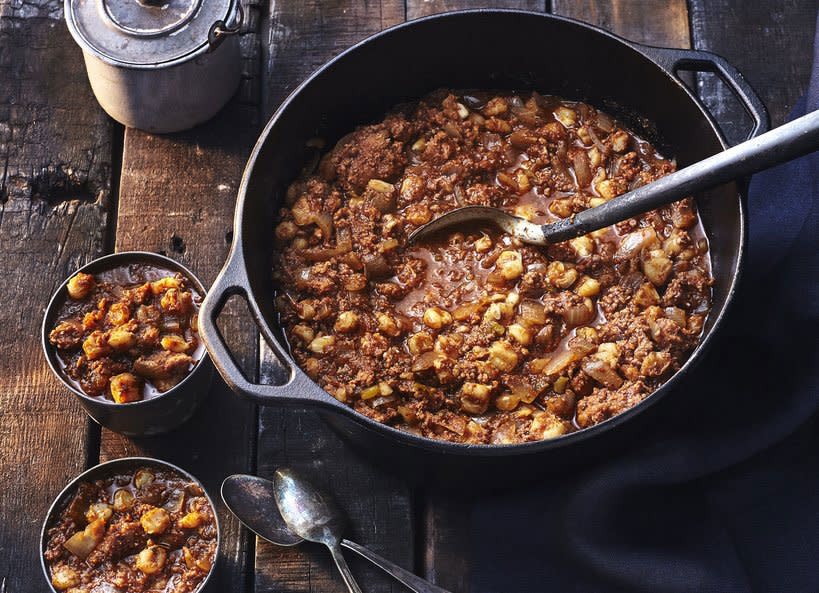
{"points": [[159, 65]]}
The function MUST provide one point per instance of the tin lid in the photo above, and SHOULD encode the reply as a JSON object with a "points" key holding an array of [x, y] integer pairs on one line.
{"points": [[147, 33]]}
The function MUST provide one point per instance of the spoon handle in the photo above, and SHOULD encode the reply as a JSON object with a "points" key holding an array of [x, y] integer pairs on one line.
{"points": [[781, 144], [413, 582], [341, 564]]}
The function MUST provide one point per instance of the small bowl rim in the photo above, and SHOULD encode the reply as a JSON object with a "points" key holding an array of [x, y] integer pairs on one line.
{"points": [[112, 464], [59, 297]]}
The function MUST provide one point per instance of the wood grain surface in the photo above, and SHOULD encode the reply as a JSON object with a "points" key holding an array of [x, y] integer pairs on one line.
{"points": [[55, 195], [769, 42], [419, 8]]}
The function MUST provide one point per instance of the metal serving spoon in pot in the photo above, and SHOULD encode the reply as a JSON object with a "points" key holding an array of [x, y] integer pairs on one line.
{"points": [[289, 510], [781, 144]]}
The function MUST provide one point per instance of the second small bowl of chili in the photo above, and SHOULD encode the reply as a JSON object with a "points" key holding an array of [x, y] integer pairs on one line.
{"points": [[122, 334]]}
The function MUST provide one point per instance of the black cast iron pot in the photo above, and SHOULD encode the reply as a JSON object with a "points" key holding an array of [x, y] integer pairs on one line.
{"points": [[482, 49]]}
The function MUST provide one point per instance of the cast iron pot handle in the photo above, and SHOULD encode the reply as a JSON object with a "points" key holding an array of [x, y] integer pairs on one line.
{"points": [[674, 60], [298, 390]]}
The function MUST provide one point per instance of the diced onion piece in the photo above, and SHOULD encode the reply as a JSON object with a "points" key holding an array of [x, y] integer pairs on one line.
{"points": [[676, 315], [633, 243], [376, 266], [604, 122], [582, 168], [425, 361], [532, 313], [521, 389], [82, 543], [579, 314], [602, 373], [176, 500], [558, 362], [325, 253]]}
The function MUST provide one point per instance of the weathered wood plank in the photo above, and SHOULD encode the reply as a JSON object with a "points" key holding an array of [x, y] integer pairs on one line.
{"points": [[55, 190], [177, 196], [646, 21], [419, 8], [299, 36], [738, 31], [302, 36]]}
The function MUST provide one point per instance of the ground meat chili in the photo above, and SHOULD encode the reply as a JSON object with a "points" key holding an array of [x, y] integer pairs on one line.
{"points": [[475, 337], [151, 530], [129, 333]]}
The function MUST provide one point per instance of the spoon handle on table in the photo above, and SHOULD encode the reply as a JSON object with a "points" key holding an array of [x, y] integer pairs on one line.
{"points": [[788, 141], [412, 581], [341, 564]]}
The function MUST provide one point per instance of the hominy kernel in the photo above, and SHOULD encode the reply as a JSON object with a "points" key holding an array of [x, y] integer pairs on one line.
{"points": [[80, 286], [595, 158], [607, 189], [155, 521], [151, 560], [483, 244], [322, 344], [510, 264], [174, 343], [584, 246], [380, 186], [346, 322], [192, 520], [370, 392], [619, 141], [475, 397], [588, 287], [502, 356], [521, 334], [388, 325], [657, 267], [420, 343], [566, 116], [121, 339], [304, 332], [436, 318], [64, 577]]}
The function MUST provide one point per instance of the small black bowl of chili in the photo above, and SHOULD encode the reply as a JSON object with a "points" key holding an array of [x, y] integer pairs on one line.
{"points": [[122, 334], [130, 525]]}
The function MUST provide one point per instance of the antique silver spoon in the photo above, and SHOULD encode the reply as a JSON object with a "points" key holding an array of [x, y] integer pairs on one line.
{"points": [[262, 505], [781, 144]]}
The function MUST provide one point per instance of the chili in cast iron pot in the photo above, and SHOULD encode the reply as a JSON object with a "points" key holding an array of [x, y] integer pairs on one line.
{"points": [[479, 49]]}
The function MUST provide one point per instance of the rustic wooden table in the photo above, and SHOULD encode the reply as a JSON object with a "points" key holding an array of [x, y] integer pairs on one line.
{"points": [[74, 185]]}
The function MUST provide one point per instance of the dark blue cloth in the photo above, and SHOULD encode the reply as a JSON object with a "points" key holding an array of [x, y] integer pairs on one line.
{"points": [[724, 495]]}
